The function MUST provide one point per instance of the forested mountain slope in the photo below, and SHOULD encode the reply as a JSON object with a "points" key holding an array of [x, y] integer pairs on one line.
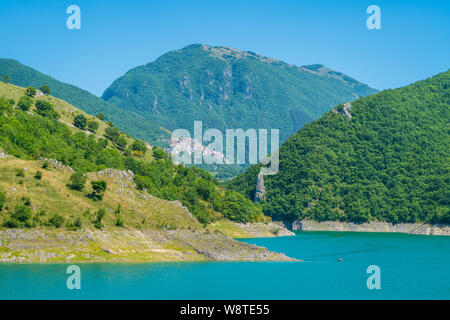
{"points": [[384, 157], [228, 88]]}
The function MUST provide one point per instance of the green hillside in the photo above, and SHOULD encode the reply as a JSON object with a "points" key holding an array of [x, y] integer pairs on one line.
{"points": [[385, 157], [35, 126], [130, 122], [228, 88]]}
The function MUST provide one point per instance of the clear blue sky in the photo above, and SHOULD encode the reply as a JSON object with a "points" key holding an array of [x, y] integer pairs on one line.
{"points": [[414, 42]]}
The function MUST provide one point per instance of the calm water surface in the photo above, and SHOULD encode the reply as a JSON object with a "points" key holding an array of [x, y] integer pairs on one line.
{"points": [[412, 267]]}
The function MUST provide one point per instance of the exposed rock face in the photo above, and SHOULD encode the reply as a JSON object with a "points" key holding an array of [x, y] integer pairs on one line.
{"points": [[412, 228], [3, 154], [260, 189], [124, 178], [53, 163], [346, 110]]}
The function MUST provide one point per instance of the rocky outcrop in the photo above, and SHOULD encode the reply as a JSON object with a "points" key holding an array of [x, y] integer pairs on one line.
{"points": [[260, 189], [126, 245], [344, 110], [124, 178], [53, 163], [412, 228], [3, 154]]}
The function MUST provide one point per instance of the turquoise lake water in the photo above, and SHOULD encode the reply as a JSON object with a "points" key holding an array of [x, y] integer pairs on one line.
{"points": [[412, 267]]}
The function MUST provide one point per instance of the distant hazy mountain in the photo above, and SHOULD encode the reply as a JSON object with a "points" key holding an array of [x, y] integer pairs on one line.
{"points": [[384, 157], [228, 88], [130, 122]]}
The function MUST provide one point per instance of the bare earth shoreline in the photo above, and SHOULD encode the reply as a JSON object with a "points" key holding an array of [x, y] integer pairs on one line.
{"points": [[41, 245], [411, 228]]}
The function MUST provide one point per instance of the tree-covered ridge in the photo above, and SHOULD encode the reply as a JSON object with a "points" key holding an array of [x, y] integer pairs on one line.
{"points": [[228, 88], [38, 131], [132, 123], [386, 158]]}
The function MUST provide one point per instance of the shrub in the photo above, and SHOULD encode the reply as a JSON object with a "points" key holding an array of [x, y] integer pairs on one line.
{"points": [[158, 153], [45, 89], [92, 126], [45, 109], [112, 133], [75, 225], [26, 201], [31, 91], [100, 116], [98, 218], [21, 214], [11, 223], [38, 175], [24, 103], [77, 181], [45, 165], [119, 222], [139, 145], [98, 189], [56, 221], [80, 122], [20, 173], [2, 200]]}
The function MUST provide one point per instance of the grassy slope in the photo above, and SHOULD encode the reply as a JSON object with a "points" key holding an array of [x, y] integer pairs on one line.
{"points": [[67, 111], [130, 122]]}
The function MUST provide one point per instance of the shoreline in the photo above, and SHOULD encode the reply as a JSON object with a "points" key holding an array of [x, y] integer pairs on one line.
{"points": [[407, 228], [126, 245]]}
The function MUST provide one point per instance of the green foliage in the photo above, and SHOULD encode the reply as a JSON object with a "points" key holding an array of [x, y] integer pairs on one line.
{"points": [[31, 91], [80, 122], [100, 116], [230, 91], [77, 181], [6, 108], [139, 145], [112, 133], [389, 162], [56, 221], [98, 189], [92, 126], [45, 109], [77, 224], [131, 122], [22, 214], [2, 200], [45, 89], [32, 136], [99, 215], [5, 78], [25, 103], [20, 173], [119, 222], [158, 153], [38, 175]]}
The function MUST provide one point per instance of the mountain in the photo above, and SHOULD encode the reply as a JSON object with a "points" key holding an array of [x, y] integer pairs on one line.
{"points": [[36, 126], [385, 157], [132, 123], [228, 88]]}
